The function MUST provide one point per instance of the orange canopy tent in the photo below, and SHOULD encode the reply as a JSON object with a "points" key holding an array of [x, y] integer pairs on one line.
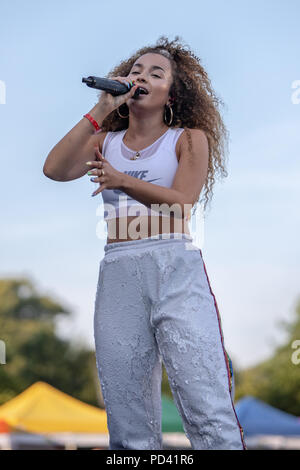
{"points": [[42, 408], [4, 426]]}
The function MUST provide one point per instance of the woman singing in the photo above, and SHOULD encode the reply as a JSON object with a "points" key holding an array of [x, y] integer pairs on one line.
{"points": [[152, 155]]}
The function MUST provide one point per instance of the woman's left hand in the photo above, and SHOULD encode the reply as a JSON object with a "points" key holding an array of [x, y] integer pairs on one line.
{"points": [[104, 173]]}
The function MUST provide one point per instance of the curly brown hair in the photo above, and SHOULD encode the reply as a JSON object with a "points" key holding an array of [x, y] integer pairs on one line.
{"points": [[195, 106]]}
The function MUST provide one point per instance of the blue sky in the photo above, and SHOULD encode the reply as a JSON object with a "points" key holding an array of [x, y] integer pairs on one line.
{"points": [[250, 50]]}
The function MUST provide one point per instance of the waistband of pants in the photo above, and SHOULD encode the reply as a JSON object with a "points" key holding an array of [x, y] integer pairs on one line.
{"points": [[156, 240]]}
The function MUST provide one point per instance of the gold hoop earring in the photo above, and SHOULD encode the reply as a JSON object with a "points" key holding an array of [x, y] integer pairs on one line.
{"points": [[172, 115], [123, 117]]}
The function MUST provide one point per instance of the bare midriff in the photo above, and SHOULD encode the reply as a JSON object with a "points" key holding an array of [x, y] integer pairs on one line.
{"points": [[120, 230]]}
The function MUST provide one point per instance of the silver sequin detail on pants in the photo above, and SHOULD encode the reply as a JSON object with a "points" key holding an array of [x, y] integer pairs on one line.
{"points": [[154, 303]]}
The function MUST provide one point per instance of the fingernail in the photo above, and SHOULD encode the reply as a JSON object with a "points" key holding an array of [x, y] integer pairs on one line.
{"points": [[88, 163], [89, 172]]}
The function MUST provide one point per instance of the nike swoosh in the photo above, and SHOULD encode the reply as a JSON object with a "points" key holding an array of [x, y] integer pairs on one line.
{"points": [[150, 181]]}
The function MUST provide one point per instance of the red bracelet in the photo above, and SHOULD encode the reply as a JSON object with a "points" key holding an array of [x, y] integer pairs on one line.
{"points": [[92, 120]]}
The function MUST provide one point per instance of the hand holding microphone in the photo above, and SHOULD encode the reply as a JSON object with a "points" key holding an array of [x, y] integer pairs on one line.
{"points": [[115, 91]]}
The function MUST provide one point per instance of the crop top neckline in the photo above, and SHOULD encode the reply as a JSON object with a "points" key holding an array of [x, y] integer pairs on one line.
{"points": [[144, 150]]}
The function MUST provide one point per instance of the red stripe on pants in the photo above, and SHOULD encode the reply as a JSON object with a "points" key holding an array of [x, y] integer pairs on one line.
{"points": [[225, 355]]}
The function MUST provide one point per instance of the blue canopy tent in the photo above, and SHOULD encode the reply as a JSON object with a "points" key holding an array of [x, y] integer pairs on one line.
{"points": [[259, 418]]}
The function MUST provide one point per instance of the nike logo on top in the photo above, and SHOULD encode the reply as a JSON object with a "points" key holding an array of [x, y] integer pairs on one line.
{"points": [[140, 174]]}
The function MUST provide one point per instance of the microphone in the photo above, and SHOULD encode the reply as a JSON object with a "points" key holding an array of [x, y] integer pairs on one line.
{"points": [[111, 86]]}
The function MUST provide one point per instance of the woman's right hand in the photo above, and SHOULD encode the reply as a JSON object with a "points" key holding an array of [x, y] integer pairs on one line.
{"points": [[110, 102]]}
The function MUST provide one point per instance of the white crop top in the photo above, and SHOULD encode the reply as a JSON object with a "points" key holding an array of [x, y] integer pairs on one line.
{"points": [[157, 164]]}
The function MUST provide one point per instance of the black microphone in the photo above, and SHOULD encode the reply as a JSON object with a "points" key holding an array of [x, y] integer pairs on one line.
{"points": [[111, 86]]}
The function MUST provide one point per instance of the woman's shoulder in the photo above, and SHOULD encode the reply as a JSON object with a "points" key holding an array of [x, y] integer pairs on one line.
{"points": [[193, 132], [189, 135]]}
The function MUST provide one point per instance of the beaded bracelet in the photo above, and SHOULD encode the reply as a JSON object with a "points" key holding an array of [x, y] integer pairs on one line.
{"points": [[95, 124]]}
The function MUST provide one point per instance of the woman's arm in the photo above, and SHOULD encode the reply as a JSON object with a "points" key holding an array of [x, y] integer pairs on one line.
{"points": [[149, 193], [187, 184], [66, 161]]}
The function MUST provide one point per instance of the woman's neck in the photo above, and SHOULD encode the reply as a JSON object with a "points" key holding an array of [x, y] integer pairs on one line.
{"points": [[145, 133]]}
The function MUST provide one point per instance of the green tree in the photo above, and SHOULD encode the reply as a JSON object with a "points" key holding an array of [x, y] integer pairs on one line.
{"points": [[276, 380], [34, 351]]}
